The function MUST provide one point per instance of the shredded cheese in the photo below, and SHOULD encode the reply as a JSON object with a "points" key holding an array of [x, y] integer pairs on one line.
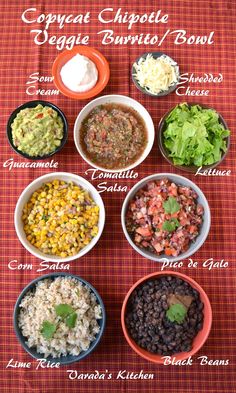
{"points": [[156, 75]]}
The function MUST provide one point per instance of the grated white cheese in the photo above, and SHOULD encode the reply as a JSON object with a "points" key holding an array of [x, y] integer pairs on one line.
{"points": [[156, 75]]}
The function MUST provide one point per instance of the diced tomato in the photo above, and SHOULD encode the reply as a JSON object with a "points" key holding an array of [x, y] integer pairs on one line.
{"points": [[173, 190], [144, 231], [158, 247], [180, 234], [154, 191], [184, 222], [169, 251], [200, 210], [39, 116], [192, 228], [138, 238], [152, 210], [145, 244], [156, 220]]}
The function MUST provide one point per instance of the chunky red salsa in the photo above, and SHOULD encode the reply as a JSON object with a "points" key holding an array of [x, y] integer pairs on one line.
{"points": [[113, 136], [164, 217]]}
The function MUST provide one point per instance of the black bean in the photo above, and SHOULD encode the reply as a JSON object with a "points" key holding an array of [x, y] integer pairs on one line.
{"points": [[165, 306], [200, 306], [199, 326], [200, 317], [157, 295], [146, 318], [192, 322]]}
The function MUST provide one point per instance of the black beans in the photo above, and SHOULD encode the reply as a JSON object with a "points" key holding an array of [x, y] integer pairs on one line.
{"points": [[148, 324]]}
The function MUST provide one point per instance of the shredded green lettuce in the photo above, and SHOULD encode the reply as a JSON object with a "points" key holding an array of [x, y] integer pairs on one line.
{"points": [[194, 136]]}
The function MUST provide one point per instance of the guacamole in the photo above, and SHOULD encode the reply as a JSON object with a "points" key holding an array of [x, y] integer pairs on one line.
{"points": [[37, 131]]}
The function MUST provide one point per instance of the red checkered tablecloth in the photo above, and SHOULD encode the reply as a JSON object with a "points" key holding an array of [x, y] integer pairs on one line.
{"points": [[113, 266]]}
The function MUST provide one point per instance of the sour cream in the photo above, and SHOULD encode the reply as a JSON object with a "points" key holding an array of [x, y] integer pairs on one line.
{"points": [[79, 74]]}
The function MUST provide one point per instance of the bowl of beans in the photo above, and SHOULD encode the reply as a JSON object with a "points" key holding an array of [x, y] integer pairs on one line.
{"points": [[166, 217], [59, 217], [114, 133], [166, 314]]}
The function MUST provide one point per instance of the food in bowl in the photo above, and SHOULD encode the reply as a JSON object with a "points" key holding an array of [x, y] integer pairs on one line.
{"points": [[59, 317], [79, 74], [164, 217], [194, 135], [37, 131], [164, 314], [155, 74], [83, 77], [113, 136], [60, 218]]}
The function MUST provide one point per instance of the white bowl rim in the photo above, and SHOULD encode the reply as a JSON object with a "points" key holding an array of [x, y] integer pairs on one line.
{"points": [[49, 177], [151, 132], [163, 258]]}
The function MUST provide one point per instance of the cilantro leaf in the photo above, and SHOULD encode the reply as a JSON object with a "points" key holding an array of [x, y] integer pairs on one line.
{"points": [[63, 310], [176, 313], [71, 320], [68, 315], [171, 205], [170, 225], [48, 329]]}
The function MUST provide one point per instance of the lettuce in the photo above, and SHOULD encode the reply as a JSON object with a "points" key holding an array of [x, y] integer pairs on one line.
{"points": [[194, 135]]}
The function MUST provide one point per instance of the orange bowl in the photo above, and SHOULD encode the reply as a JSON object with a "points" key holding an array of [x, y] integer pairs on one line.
{"points": [[198, 341], [95, 56]]}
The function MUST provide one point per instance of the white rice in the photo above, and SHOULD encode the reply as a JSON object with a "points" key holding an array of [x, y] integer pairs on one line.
{"points": [[39, 305]]}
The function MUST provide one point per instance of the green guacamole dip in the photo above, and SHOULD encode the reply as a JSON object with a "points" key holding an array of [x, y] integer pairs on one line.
{"points": [[37, 131]]}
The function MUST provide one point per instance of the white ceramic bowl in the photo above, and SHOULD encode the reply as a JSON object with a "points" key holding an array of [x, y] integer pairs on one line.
{"points": [[204, 230], [117, 99], [36, 184]]}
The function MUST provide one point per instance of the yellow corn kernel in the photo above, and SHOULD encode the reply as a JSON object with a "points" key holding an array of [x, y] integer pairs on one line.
{"points": [[63, 254], [47, 210]]}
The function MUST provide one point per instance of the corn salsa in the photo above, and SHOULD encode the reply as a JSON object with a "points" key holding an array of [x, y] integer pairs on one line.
{"points": [[60, 218]]}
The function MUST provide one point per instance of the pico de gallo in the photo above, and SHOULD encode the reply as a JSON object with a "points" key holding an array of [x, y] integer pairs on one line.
{"points": [[164, 218]]}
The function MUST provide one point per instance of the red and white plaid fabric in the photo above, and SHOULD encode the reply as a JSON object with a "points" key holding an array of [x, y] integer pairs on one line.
{"points": [[113, 266]]}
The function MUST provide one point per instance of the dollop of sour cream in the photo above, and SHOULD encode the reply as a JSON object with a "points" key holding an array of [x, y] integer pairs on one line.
{"points": [[79, 74]]}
